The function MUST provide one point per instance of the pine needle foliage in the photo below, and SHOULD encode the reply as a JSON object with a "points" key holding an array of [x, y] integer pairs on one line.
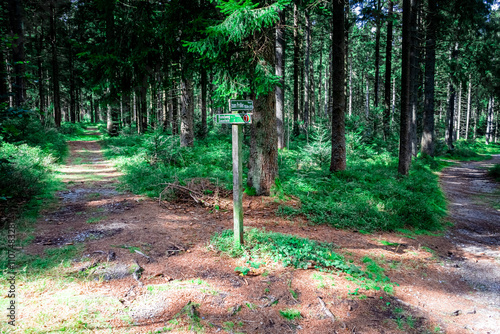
{"points": [[235, 46]]}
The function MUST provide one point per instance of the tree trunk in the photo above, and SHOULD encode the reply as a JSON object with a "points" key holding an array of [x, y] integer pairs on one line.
{"points": [[4, 87], [451, 102], [263, 160], [320, 76], [489, 120], [367, 99], [414, 68], [112, 119], [405, 119], [393, 103], [72, 103], [459, 111], [41, 90], [175, 109], [469, 105], [450, 116], [187, 112], [312, 99], [92, 118], [377, 56], [338, 159], [430, 69], [307, 87], [280, 72], [55, 67], [328, 76], [203, 103], [97, 116], [350, 87], [296, 50], [127, 110], [18, 57], [388, 70]]}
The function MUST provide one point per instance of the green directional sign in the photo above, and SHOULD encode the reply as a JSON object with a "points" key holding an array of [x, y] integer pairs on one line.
{"points": [[233, 118], [240, 105]]}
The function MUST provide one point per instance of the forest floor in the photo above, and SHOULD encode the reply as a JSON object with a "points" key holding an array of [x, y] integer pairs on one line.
{"points": [[448, 282]]}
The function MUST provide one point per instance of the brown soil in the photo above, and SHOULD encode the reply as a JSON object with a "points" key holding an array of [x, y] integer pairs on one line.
{"points": [[453, 289]]}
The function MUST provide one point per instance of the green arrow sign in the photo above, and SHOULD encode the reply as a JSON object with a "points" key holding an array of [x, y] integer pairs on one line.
{"points": [[233, 118], [240, 105]]}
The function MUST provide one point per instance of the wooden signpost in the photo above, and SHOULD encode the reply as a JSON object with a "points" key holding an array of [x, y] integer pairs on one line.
{"points": [[237, 119]]}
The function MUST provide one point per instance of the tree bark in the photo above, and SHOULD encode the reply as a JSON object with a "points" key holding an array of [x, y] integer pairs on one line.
{"points": [[203, 103], [350, 87], [307, 86], [459, 110], [4, 87], [92, 117], [263, 160], [112, 119], [55, 67], [469, 106], [338, 158], [187, 112], [41, 90], [18, 56], [175, 109], [367, 98], [405, 119], [280, 72], [489, 120], [296, 50], [388, 70], [377, 57], [430, 69], [320, 76], [451, 102], [72, 103], [414, 82]]}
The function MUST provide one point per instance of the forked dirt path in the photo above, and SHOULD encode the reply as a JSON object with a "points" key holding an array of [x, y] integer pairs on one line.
{"points": [[116, 231]]}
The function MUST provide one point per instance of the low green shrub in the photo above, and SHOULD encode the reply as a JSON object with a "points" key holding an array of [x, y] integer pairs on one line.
{"points": [[287, 249], [368, 196], [462, 150], [24, 171], [261, 246], [151, 160], [27, 129], [494, 172], [71, 128], [465, 150], [290, 314]]}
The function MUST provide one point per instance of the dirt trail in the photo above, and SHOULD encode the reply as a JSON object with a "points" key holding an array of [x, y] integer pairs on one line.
{"points": [[111, 226], [474, 209]]}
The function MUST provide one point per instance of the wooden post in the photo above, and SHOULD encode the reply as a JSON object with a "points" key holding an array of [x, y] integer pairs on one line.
{"points": [[237, 185]]}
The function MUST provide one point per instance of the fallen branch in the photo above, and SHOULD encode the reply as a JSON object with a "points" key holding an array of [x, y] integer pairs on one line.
{"points": [[141, 253]]}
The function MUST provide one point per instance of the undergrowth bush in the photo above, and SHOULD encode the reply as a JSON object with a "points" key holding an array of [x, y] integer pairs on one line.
{"points": [[287, 249], [24, 171], [149, 161], [290, 250], [494, 172], [368, 195], [27, 129], [471, 150], [71, 128]]}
